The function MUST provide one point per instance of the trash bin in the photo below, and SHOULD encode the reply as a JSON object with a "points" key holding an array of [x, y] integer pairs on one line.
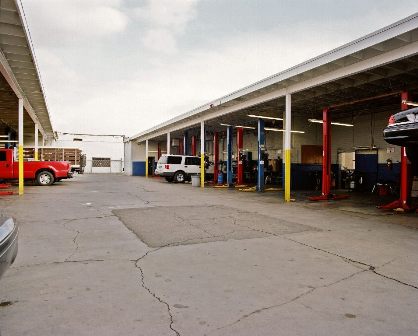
{"points": [[195, 180]]}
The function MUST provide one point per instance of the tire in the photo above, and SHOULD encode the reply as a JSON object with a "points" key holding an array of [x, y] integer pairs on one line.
{"points": [[45, 178], [180, 177], [169, 179]]}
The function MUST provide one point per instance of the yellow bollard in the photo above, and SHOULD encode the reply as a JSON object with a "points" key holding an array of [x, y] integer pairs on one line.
{"points": [[202, 170], [287, 176], [21, 176]]}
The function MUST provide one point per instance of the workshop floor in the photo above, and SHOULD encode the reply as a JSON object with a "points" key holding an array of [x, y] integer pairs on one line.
{"points": [[118, 255]]}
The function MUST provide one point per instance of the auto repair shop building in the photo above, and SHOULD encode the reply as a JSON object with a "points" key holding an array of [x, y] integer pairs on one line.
{"points": [[288, 119]]}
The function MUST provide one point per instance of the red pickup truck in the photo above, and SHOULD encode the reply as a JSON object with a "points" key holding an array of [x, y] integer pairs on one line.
{"points": [[43, 172]]}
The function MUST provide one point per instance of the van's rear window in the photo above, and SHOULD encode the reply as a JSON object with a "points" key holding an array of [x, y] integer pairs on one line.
{"points": [[163, 160]]}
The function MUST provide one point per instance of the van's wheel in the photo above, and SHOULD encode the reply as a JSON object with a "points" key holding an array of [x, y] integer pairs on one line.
{"points": [[179, 177], [45, 178]]}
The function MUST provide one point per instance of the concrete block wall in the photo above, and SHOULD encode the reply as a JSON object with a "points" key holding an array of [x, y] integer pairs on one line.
{"points": [[367, 131]]}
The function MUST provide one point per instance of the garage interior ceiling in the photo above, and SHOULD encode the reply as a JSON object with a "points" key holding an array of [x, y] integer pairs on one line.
{"points": [[15, 48]]}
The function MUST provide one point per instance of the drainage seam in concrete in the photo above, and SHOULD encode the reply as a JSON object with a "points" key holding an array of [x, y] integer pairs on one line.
{"points": [[57, 263]]}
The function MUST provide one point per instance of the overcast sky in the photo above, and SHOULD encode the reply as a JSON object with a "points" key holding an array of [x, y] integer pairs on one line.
{"points": [[122, 66]]}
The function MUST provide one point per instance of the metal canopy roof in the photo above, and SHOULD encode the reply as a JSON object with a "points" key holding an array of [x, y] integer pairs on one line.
{"points": [[20, 72], [381, 62]]}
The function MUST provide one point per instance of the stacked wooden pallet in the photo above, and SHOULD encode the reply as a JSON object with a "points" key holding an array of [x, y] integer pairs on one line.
{"points": [[72, 155]]}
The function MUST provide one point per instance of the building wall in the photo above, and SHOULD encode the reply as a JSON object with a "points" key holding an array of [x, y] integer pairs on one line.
{"points": [[127, 147], [367, 131], [95, 146]]}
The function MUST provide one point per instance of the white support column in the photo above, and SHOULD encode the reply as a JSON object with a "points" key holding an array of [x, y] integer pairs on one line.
{"points": [[35, 156], [146, 158], [287, 147], [168, 143], [202, 154], [20, 147]]}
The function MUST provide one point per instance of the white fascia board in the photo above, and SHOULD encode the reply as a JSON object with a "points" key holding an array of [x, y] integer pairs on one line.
{"points": [[398, 28]]}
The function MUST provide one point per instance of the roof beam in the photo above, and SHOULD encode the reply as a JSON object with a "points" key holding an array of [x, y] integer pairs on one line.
{"points": [[355, 68], [7, 73]]}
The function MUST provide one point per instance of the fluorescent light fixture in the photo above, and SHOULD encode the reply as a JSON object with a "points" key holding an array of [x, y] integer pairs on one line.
{"points": [[239, 126], [263, 117], [281, 130], [318, 121], [409, 103]]}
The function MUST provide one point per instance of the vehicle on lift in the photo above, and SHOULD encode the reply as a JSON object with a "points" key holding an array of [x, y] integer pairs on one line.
{"points": [[8, 243], [178, 168], [402, 130], [43, 172]]}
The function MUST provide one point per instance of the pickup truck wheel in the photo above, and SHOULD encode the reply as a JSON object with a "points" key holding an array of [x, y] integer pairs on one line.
{"points": [[45, 178], [179, 177]]}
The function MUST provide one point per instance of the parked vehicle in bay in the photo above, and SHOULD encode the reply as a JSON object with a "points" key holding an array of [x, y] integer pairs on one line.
{"points": [[8, 243], [402, 130], [43, 172], [178, 168]]}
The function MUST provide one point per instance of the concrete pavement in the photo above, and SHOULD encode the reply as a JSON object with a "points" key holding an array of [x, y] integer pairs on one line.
{"points": [[117, 255]]}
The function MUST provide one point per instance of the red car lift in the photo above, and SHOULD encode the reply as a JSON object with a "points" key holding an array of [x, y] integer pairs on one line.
{"points": [[181, 147], [405, 186], [158, 151], [326, 161]]}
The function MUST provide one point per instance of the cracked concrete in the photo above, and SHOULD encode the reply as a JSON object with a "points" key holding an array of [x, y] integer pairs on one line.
{"points": [[153, 294], [177, 260]]}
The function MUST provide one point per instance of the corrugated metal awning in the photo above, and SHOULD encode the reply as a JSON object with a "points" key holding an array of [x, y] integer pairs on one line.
{"points": [[21, 75]]}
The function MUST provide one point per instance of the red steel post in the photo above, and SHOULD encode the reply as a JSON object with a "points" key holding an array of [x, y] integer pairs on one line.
{"points": [[326, 153], [181, 147], [215, 157], [158, 150], [240, 166], [404, 192], [194, 145], [326, 161]]}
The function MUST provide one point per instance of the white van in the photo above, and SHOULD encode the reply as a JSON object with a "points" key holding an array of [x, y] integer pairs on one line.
{"points": [[178, 168]]}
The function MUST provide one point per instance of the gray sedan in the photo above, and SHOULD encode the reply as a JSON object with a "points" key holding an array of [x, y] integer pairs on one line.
{"points": [[8, 243]]}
